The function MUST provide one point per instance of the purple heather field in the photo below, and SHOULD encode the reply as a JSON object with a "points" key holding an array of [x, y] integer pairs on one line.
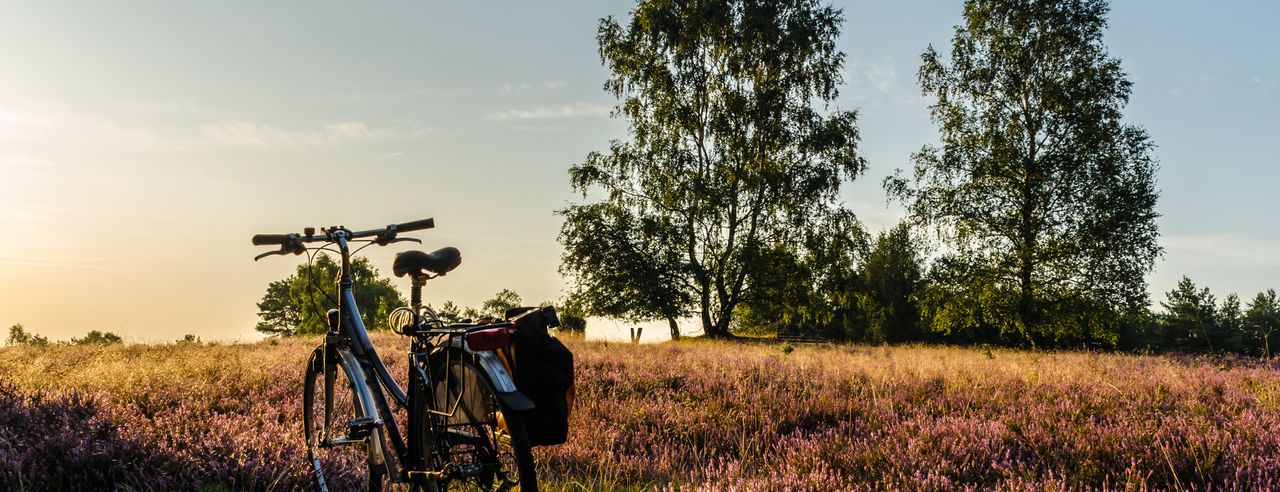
{"points": [[693, 415]]}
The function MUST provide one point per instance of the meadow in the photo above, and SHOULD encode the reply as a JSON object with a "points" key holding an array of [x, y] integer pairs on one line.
{"points": [[692, 415]]}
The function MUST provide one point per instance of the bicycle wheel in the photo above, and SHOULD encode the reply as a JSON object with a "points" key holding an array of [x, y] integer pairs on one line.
{"points": [[344, 450], [479, 438]]}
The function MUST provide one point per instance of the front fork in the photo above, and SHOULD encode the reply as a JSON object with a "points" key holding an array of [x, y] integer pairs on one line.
{"points": [[331, 359]]}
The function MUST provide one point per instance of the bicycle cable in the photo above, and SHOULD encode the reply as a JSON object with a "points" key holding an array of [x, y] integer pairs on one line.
{"points": [[311, 253]]}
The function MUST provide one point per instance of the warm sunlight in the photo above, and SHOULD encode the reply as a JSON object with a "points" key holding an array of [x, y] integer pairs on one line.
{"points": [[639, 245]]}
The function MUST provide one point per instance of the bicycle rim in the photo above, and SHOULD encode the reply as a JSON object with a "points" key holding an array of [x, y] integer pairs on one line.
{"points": [[484, 442], [329, 405]]}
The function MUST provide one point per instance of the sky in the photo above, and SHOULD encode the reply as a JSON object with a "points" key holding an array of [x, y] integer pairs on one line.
{"points": [[142, 143]]}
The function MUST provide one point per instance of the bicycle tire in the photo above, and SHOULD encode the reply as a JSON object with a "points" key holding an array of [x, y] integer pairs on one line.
{"points": [[357, 466], [454, 374]]}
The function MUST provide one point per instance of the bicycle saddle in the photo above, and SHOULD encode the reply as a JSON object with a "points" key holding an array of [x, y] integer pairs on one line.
{"points": [[439, 262]]}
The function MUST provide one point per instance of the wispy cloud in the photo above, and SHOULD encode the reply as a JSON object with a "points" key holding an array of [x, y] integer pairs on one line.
{"points": [[51, 122], [878, 73], [1227, 250], [540, 128], [47, 120], [78, 263], [1267, 86], [383, 158], [255, 134], [876, 80], [578, 110], [550, 85]]}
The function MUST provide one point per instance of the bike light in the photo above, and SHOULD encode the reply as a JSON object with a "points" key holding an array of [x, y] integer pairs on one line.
{"points": [[491, 339]]}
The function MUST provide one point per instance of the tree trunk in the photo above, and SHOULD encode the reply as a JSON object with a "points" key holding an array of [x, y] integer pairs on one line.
{"points": [[1026, 268], [675, 330]]}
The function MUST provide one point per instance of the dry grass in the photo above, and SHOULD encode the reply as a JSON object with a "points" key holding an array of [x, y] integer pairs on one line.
{"points": [[708, 415]]}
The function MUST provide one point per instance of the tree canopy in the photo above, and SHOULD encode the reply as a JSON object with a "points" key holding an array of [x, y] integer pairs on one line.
{"points": [[294, 306], [18, 335], [1042, 195], [498, 305], [731, 155]]}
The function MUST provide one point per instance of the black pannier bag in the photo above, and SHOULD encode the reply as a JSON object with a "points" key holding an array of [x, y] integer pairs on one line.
{"points": [[543, 371]]}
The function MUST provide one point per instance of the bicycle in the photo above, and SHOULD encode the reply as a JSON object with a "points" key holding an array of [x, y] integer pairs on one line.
{"points": [[463, 412]]}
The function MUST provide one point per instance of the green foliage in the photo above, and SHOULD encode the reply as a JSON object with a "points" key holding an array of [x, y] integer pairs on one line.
{"points": [[498, 305], [293, 306], [810, 290], [1043, 195], [1190, 321], [188, 339], [784, 297], [622, 263], [891, 276], [97, 337], [449, 312], [1262, 322], [1193, 321], [728, 159], [573, 317], [18, 336]]}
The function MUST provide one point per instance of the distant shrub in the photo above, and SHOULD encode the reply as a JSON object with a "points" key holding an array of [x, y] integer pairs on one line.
{"points": [[97, 337], [18, 336]]}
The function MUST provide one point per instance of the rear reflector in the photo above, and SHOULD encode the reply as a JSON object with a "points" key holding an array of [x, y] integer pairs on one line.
{"points": [[491, 339]]}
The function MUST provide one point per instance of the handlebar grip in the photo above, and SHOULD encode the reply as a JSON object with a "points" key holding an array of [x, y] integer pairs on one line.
{"points": [[416, 225], [269, 239]]}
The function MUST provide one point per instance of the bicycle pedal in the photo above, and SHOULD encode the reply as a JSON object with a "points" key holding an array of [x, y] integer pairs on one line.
{"points": [[360, 428]]}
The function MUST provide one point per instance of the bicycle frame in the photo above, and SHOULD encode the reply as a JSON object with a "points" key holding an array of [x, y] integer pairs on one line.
{"points": [[348, 344]]}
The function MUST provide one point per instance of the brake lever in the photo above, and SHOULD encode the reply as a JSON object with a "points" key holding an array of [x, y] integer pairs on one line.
{"points": [[269, 253], [399, 239]]}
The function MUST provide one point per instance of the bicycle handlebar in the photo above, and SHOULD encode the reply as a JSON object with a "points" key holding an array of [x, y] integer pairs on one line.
{"points": [[385, 235], [269, 239], [416, 225]]}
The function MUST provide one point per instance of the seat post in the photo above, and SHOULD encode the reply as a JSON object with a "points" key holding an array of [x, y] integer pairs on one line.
{"points": [[415, 295], [415, 292]]}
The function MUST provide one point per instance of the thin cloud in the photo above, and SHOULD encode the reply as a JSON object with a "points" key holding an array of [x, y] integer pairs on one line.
{"points": [[253, 134], [550, 85], [385, 157], [1226, 250], [1267, 86], [43, 122], [579, 110], [540, 128], [876, 80], [880, 73]]}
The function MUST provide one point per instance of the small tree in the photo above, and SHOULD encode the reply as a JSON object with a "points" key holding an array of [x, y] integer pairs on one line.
{"points": [[573, 317], [18, 336], [892, 274], [1262, 320], [498, 305], [97, 337], [1230, 325], [294, 305], [1190, 321], [624, 264], [449, 312]]}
